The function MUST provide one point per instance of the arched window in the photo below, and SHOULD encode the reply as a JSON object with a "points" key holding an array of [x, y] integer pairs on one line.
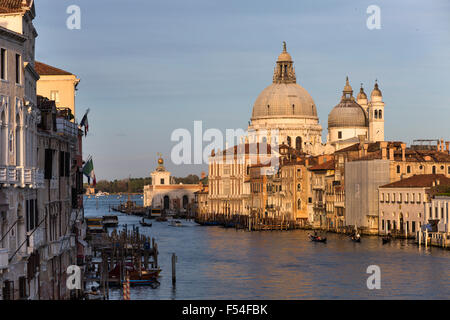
{"points": [[268, 109], [376, 114], [299, 203], [185, 201], [434, 169], [398, 169], [166, 202], [408, 169], [289, 141], [380, 114], [299, 187], [298, 143]]}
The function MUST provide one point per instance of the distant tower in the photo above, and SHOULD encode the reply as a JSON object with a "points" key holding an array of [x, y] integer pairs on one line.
{"points": [[160, 176], [376, 115]]}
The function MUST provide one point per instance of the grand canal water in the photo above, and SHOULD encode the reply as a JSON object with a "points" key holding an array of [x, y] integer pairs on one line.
{"points": [[218, 263]]}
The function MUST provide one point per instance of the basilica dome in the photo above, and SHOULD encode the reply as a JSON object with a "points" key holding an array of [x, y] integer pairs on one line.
{"points": [[347, 113], [284, 98]]}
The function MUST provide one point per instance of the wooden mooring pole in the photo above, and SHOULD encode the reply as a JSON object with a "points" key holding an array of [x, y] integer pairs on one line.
{"points": [[174, 275]]}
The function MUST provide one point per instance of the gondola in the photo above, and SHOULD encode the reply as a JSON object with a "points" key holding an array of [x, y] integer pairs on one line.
{"points": [[317, 238], [145, 224]]}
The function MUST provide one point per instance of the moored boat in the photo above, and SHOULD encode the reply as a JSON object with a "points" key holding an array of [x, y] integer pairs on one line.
{"points": [[110, 221], [175, 223], [145, 224]]}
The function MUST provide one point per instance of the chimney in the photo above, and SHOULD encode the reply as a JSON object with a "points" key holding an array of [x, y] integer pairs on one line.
{"points": [[442, 145], [447, 146], [366, 146], [383, 146], [391, 153], [403, 151]]}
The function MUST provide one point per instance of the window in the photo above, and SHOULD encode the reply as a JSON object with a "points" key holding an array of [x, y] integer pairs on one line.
{"points": [[299, 187], [408, 169], [298, 143], [380, 114], [376, 114], [48, 169], [339, 134], [23, 292], [3, 64], [54, 95], [162, 181], [18, 68], [398, 169], [289, 141], [434, 169]]}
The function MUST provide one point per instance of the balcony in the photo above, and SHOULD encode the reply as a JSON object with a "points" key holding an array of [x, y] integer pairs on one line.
{"points": [[21, 177], [9, 175], [3, 258], [66, 128]]}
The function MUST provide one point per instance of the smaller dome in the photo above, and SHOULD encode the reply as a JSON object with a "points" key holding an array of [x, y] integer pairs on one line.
{"points": [[376, 92], [284, 56], [347, 114], [348, 88], [361, 94]]}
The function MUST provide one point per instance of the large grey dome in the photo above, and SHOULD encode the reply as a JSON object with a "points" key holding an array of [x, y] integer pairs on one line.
{"points": [[284, 100], [347, 114]]}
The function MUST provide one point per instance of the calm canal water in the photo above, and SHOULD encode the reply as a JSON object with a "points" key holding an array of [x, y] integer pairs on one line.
{"points": [[218, 263]]}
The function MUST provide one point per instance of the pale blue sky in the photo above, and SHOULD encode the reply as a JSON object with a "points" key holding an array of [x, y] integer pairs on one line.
{"points": [[148, 67]]}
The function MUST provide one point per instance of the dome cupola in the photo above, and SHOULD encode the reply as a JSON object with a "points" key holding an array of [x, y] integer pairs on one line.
{"points": [[284, 98], [348, 113]]}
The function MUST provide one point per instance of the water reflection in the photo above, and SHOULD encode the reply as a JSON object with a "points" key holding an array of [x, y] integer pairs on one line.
{"points": [[217, 263]]}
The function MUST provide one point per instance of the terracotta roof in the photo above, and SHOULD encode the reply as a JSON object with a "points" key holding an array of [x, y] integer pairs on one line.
{"points": [[329, 165], [45, 70], [248, 148], [421, 180], [12, 6]]}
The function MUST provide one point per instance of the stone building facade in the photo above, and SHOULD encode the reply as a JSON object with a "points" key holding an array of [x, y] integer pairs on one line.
{"points": [[164, 194]]}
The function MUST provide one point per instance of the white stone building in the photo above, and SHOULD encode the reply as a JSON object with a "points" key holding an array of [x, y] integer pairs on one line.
{"points": [[164, 194], [19, 174], [353, 121]]}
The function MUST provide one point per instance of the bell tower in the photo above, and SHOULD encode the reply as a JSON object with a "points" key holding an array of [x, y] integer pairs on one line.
{"points": [[376, 115]]}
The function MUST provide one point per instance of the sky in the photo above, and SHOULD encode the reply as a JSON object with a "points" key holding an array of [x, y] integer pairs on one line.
{"points": [[149, 67]]}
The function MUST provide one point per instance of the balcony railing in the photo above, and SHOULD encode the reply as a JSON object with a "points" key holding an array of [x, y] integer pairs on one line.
{"points": [[3, 258], [66, 127], [21, 177]]}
